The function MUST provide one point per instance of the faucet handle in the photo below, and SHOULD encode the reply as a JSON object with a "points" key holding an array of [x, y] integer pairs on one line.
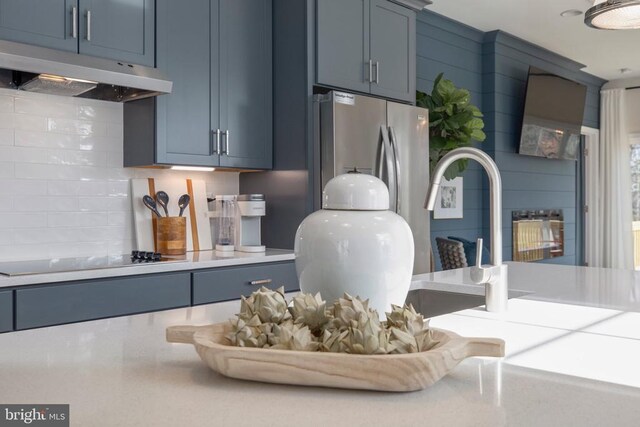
{"points": [[479, 252], [478, 273]]}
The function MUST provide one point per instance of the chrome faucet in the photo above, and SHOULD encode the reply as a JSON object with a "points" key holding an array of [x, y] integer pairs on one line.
{"points": [[493, 276]]}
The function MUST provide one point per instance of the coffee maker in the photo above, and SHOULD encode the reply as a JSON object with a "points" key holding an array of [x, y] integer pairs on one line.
{"points": [[250, 209]]}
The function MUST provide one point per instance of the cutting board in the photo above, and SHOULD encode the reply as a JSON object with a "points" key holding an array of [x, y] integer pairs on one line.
{"points": [[198, 225], [390, 372]]}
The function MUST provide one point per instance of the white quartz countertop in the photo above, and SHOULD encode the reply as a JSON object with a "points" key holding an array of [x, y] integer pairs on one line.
{"points": [[192, 261], [567, 364], [598, 287]]}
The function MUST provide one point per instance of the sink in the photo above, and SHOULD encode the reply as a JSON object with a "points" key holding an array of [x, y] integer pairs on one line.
{"points": [[435, 302]]}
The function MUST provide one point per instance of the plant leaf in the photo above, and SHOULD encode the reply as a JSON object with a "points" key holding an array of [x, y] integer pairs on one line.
{"points": [[453, 121], [475, 123], [478, 135], [451, 172]]}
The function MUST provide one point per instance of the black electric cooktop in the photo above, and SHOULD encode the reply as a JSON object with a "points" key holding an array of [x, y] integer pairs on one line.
{"points": [[60, 265]]}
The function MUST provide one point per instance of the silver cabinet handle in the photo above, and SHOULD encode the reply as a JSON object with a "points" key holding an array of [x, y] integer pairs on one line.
{"points": [[74, 22], [88, 25], [215, 143], [370, 71], [225, 147], [260, 282], [377, 79]]}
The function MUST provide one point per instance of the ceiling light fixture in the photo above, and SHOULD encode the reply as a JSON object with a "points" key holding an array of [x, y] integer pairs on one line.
{"points": [[571, 13], [614, 15]]}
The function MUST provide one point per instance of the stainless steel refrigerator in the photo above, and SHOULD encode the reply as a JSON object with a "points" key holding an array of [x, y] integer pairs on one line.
{"points": [[385, 139]]}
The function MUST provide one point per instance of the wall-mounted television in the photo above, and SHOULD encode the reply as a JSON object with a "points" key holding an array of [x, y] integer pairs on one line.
{"points": [[553, 113]]}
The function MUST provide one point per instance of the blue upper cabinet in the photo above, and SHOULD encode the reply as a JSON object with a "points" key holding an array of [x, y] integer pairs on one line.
{"points": [[366, 46], [122, 30], [343, 58], [244, 69], [184, 54], [118, 29], [44, 23], [393, 48], [219, 113]]}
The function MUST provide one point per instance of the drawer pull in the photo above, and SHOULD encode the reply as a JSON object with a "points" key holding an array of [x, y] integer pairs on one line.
{"points": [[260, 282]]}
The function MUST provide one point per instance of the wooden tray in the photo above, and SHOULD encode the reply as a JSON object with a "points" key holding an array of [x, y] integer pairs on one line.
{"points": [[394, 372]]}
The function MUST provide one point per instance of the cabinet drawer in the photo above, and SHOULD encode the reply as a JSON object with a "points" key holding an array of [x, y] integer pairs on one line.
{"points": [[224, 284], [87, 300], [6, 311]]}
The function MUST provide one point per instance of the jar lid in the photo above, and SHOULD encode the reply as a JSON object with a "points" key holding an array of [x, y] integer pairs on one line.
{"points": [[355, 191]]}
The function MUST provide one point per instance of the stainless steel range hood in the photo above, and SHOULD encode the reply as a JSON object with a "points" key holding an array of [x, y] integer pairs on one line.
{"points": [[38, 69]]}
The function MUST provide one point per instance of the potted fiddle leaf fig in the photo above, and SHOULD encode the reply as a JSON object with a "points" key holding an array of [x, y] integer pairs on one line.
{"points": [[453, 122]]}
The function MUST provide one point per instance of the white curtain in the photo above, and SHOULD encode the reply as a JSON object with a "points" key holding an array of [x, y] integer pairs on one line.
{"points": [[592, 232], [614, 203]]}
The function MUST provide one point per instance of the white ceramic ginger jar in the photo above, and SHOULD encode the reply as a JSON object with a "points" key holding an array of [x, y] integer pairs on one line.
{"points": [[355, 245]]}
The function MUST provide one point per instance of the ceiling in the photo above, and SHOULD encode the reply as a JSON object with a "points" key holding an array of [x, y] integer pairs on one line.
{"points": [[538, 21]]}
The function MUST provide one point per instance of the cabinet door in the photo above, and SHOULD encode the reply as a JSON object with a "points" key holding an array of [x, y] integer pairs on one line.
{"points": [[245, 97], [47, 23], [6, 311], [183, 54], [393, 41], [118, 29], [342, 31]]}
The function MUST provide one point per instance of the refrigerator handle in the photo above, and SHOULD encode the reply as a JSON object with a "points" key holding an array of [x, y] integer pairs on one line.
{"points": [[396, 166], [385, 161], [379, 166]]}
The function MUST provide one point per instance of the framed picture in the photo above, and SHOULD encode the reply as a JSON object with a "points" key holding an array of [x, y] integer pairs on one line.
{"points": [[449, 202]]}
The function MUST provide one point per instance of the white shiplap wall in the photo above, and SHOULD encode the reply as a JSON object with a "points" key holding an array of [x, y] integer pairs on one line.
{"points": [[63, 190]]}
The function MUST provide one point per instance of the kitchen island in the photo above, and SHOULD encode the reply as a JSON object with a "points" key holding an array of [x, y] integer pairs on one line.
{"points": [[573, 348]]}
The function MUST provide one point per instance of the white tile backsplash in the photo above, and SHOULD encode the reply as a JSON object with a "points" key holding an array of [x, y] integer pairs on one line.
{"points": [[6, 104], [17, 187], [29, 122], [79, 127], [51, 108], [64, 190], [7, 170], [6, 120], [14, 220], [6, 136]]}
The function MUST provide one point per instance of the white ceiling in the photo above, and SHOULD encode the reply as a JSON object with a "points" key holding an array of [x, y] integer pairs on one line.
{"points": [[539, 22]]}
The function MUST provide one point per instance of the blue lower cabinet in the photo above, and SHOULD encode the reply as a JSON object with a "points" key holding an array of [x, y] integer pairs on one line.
{"points": [[6, 311], [56, 304], [223, 284]]}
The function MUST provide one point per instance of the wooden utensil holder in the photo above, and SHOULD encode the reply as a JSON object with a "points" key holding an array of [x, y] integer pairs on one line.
{"points": [[171, 235]]}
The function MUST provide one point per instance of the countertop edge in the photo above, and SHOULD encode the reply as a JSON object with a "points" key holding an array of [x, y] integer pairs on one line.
{"points": [[271, 255]]}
